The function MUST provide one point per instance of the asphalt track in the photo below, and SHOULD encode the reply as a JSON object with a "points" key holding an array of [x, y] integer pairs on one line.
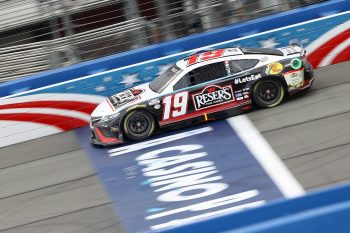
{"points": [[48, 184]]}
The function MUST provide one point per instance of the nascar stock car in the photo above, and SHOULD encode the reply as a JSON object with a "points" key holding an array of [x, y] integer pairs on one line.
{"points": [[201, 87]]}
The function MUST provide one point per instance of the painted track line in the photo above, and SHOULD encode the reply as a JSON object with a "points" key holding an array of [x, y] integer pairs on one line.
{"points": [[154, 142], [266, 156]]}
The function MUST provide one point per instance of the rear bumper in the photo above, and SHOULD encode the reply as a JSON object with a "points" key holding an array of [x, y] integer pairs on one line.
{"points": [[309, 71], [309, 77], [307, 83]]}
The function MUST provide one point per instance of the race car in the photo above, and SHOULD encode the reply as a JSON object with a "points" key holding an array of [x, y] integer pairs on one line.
{"points": [[204, 86]]}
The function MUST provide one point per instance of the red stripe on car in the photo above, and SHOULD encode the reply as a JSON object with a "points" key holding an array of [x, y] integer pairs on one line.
{"points": [[207, 111], [105, 139], [110, 105]]}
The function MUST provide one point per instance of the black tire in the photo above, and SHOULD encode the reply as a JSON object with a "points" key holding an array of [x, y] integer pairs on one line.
{"points": [[268, 93], [139, 125]]}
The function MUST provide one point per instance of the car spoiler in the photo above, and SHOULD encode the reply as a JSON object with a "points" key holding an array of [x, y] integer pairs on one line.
{"points": [[293, 48]]}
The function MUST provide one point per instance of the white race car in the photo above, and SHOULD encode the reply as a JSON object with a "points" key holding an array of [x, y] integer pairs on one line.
{"points": [[204, 86]]}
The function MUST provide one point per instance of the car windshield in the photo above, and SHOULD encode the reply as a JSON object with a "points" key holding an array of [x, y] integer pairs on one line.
{"points": [[163, 80]]}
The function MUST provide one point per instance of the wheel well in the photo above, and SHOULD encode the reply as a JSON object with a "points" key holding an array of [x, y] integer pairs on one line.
{"points": [[278, 78], [121, 123]]}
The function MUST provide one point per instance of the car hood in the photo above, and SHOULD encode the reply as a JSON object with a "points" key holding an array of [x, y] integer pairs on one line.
{"points": [[103, 109], [124, 99]]}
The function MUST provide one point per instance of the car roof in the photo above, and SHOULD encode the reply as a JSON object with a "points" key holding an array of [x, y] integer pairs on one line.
{"points": [[195, 58], [265, 51], [225, 52]]}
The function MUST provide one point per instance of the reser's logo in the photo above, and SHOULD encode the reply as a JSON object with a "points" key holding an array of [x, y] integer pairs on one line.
{"points": [[247, 79], [213, 95]]}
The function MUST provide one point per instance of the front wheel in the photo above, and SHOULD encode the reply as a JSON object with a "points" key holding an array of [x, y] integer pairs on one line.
{"points": [[268, 93], [139, 125]]}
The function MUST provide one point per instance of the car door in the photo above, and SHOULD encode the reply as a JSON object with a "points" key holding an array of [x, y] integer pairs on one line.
{"points": [[244, 74], [197, 92]]}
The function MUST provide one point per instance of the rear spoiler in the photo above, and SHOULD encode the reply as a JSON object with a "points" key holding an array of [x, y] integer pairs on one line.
{"points": [[293, 48]]}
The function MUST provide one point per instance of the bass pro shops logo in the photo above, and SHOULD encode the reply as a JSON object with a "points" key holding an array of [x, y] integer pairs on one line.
{"points": [[213, 95]]}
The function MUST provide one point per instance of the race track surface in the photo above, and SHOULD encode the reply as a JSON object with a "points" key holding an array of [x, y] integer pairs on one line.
{"points": [[48, 184], [311, 133]]}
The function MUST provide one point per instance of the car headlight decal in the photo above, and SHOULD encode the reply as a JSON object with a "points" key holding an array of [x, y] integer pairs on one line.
{"points": [[109, 117]]}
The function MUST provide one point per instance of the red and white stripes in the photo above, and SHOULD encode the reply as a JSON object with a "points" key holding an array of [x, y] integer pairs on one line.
{"points": [[332, 47], [28, 117]]}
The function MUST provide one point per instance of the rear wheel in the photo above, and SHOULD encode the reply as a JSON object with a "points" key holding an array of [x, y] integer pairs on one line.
{"points": [[268, 93], [139, 125]]}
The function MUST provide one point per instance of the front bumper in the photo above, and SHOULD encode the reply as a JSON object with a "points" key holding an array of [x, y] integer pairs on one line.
{"points": [[105, 137]]}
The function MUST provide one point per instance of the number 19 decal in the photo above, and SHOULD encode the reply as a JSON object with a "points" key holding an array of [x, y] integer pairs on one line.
{"points": [[205, 56], [175, 105]]}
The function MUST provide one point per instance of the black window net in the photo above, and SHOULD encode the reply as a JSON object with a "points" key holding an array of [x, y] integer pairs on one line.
{"points": [[208, 73]]}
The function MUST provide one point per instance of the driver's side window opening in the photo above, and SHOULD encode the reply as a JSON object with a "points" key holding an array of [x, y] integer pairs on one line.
{"points": [[201, 75], [237, 66]]}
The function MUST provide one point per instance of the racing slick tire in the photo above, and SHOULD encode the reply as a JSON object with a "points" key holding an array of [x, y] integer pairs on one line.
{"points": [[268, 93], [139, 125]]}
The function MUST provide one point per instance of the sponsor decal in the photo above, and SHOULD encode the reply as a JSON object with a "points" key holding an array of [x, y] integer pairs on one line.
{"points": [[288, 50], [274, 68], [115, 129], [247, 78], [126, 96], [242, 94], [122, 97], [136, 106], [153, 102], [296, 64], [233, 50], [157, 106], [213, 95], [239, 96], [137, 92], [295, 79], [264, 59]]}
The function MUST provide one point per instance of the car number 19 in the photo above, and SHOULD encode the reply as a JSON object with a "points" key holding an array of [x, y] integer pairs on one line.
{"points": [[175, 105]]}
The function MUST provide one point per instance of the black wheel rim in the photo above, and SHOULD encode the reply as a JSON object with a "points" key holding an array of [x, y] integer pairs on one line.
{"points": [[268, 92], [138, 124]]}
